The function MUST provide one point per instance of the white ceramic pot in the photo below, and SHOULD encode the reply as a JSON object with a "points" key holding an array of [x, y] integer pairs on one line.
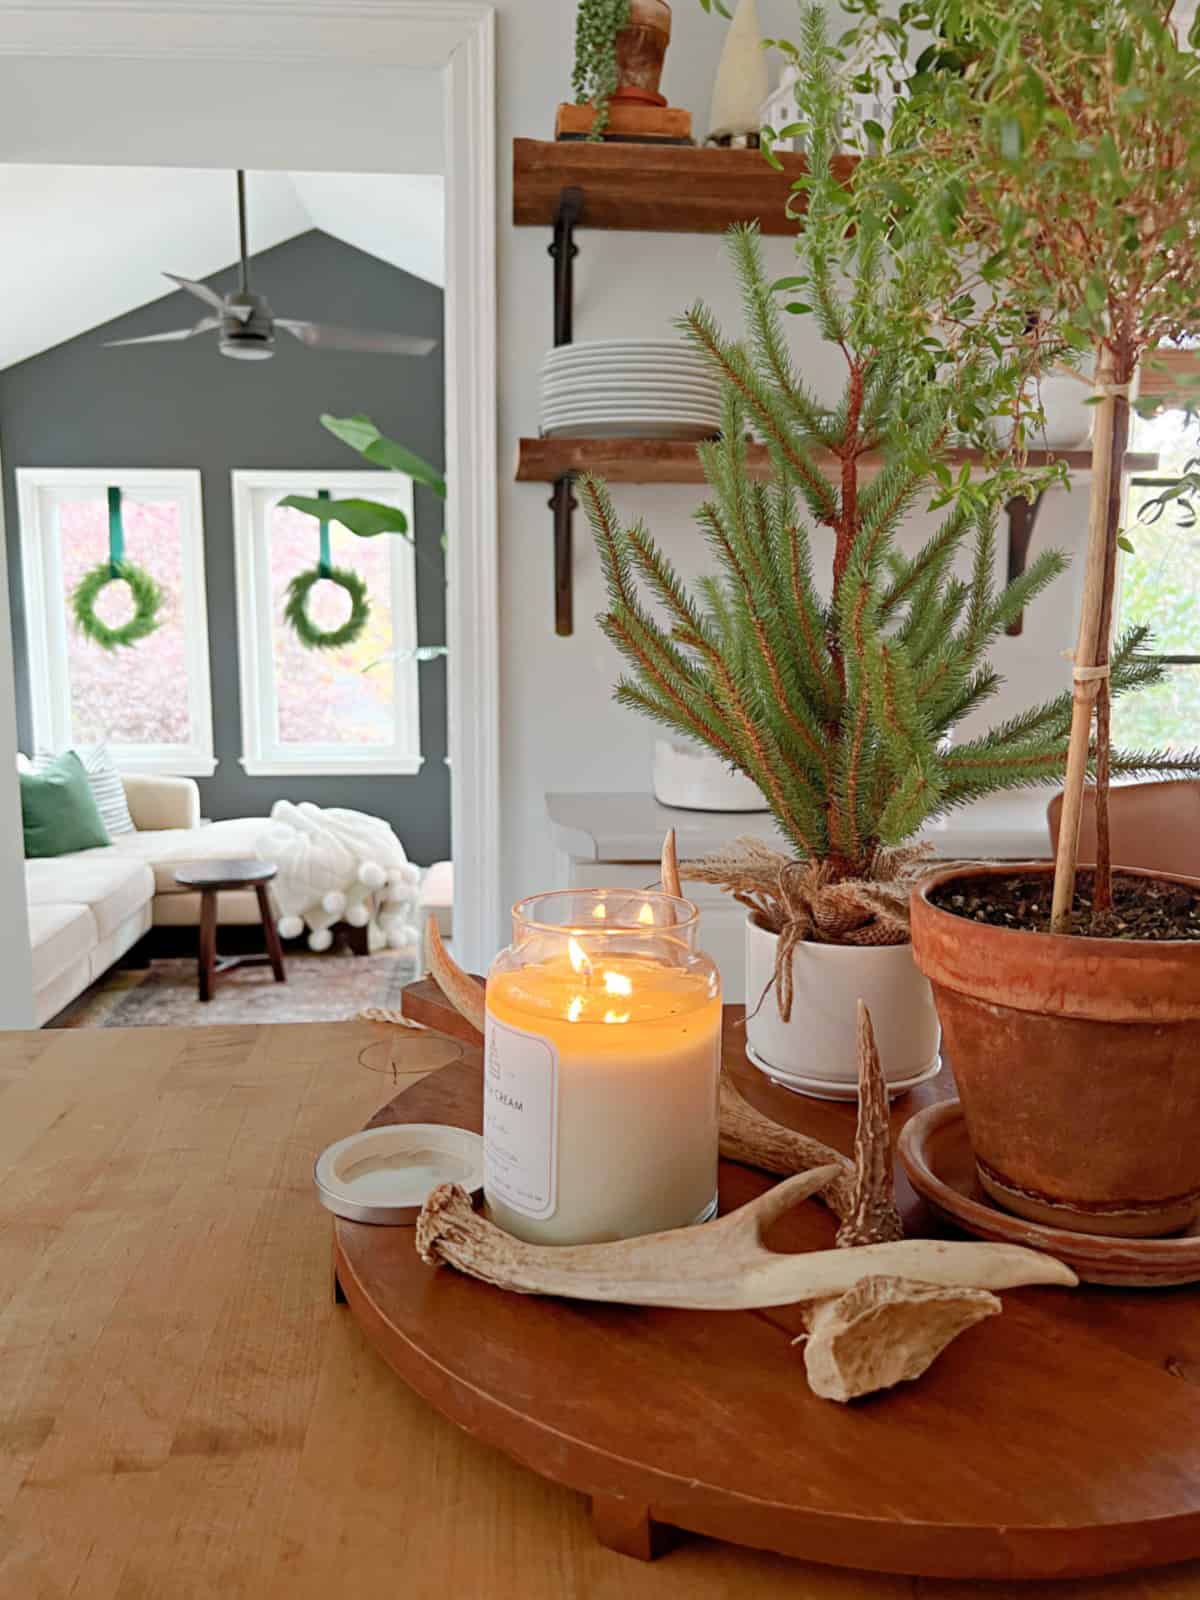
{"points": [[816, 1052], [696, 780], [1069, 418]]}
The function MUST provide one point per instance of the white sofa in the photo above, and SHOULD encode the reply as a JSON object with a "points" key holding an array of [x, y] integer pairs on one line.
{"points": [[87, 909]]}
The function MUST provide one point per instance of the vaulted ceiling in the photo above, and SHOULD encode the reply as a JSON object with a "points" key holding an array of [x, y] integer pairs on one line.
{"points": [[86, 244]]}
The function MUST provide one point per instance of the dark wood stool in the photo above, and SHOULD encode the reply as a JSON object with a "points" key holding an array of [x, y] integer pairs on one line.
{"points": [[210, 877]]}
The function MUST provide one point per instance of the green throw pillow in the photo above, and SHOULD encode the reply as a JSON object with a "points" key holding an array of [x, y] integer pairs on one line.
{"points": [[59, 811]]}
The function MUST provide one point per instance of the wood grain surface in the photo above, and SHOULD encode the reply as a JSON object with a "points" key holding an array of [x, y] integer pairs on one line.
{"points": [[675, 461], [657, 188], [184, 1412], [1005, 1461]]}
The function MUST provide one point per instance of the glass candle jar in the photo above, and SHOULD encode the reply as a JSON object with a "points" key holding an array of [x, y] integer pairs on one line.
{"points": [[601, 1072]]}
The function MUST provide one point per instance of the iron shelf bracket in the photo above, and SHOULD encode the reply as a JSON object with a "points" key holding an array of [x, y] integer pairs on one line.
{"points": [[563, 503], [1022, 519]]}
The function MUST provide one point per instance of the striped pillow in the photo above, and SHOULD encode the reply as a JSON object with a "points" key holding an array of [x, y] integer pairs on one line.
{"points": [[105, 783]]}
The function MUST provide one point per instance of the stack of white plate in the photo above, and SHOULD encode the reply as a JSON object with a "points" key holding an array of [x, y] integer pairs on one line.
{"points": [[627, 389]]}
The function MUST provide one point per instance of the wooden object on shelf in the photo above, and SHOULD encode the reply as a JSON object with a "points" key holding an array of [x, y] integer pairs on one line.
{"points": [[655, 188], [559, 461], [628, 123], [675, 461], [1001, 1464]]}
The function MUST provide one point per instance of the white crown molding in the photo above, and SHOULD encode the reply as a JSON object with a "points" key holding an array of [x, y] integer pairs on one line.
{"points": [[458, 38], [407, 33]]}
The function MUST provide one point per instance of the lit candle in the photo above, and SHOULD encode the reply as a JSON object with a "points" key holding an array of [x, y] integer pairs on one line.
{"points": [[603, 1057]]}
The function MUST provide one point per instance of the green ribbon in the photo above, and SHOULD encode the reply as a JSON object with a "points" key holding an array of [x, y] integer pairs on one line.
{"points": [[325, 564], [116, 533]]}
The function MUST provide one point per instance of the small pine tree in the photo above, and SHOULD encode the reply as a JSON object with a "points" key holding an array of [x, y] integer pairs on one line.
{"points": [[838, 705]]}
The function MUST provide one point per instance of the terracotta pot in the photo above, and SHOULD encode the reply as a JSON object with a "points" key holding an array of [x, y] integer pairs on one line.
{"points": [[816, 1051], [1078, 1063], [641, 50]]}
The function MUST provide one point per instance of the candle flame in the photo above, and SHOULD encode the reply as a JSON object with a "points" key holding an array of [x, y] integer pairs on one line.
{"points": [[574, 1009], [646, 915], [618, 983], [579, 960], [616, 1016], [600, 911]]}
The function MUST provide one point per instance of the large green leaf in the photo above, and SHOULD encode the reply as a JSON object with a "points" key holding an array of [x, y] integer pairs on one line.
{"points": [[361, 434], [366, 518]]}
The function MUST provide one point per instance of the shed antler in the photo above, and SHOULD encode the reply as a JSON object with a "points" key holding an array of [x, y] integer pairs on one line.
{"points": [[717, 1266]]}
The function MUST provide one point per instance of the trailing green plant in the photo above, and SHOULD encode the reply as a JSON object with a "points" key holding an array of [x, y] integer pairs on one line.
{"points": [[1061, 164], [147, 603], [597, 24], [295, 610], [838, 697]]}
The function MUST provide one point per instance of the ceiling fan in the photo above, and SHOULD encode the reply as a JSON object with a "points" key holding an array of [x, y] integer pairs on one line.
{"points": [[245, 323]]}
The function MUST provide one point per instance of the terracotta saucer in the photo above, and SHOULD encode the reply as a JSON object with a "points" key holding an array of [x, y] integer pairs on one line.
{"points": [[940, 1163]]}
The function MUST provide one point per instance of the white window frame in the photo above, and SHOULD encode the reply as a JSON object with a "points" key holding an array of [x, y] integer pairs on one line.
{"points": [[38, 490], [263, 754]]}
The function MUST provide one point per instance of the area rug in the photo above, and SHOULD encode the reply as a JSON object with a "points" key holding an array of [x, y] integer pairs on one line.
{"points": [[324, 988]]}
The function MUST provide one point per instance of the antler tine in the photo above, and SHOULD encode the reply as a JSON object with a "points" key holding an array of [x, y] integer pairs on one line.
{"points": [[464, 993], [670, 866]]}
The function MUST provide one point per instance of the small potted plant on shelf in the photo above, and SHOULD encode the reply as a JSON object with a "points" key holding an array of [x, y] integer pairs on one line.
{"points": [[620, 46], [1066, 159], [838, 699]]}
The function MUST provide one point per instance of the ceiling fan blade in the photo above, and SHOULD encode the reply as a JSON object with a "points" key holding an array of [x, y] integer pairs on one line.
{"points": [[371, 341], [210, 297], [205, 326]]}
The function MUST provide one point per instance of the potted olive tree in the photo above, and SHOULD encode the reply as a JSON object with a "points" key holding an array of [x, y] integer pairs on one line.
{"points": [[1063, 154], [836, 696]]}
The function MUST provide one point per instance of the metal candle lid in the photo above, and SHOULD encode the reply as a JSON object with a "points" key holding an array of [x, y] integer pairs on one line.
{"points": [[384, 1175]]}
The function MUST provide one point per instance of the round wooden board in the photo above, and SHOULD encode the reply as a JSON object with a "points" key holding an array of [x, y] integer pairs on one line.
{"points": [[1060, 1439]]}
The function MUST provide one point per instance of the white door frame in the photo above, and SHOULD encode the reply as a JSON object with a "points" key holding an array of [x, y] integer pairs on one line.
{"points": [[458, 38]]}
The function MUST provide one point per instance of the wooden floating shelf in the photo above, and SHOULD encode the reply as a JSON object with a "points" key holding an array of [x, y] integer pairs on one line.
{"points": [[655, 188], [676, 461]]}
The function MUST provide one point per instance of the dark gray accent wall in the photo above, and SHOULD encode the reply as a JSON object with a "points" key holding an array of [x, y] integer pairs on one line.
{"points": [[185, 405]]}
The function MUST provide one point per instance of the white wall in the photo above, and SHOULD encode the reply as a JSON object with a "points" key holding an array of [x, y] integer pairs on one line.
{"points": [[560, 727]]}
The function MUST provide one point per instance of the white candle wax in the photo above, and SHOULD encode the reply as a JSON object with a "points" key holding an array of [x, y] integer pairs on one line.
{"points": [[601, 1098]]}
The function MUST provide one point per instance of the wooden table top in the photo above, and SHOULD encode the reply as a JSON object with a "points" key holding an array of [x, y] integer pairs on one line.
{"points": [[225, 874], [184, 1413]]}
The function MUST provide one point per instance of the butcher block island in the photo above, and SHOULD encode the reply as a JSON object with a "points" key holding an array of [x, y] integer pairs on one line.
{"points": [[186, 1412]]}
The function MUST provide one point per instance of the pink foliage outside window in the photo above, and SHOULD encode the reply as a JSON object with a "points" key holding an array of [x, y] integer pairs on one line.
{"points": [[137, 695]]}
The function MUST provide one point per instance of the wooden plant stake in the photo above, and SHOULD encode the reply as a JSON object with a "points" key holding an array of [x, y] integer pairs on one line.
{"points": [[1092, 646]]}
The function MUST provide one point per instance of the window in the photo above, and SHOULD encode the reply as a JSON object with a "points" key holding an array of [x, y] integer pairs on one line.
{"points": [[350, 710], [151, 699], [1160, 586]]}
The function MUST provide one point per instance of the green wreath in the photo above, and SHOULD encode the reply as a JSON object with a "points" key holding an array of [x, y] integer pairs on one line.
{"points": [[147, 602], [296, 610]]}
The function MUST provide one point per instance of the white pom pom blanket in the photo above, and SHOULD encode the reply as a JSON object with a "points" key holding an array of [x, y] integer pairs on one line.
{"points": [[338, 865]]}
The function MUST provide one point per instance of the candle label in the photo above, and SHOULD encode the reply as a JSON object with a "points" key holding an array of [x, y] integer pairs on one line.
{"points": [[520, 1120]]}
